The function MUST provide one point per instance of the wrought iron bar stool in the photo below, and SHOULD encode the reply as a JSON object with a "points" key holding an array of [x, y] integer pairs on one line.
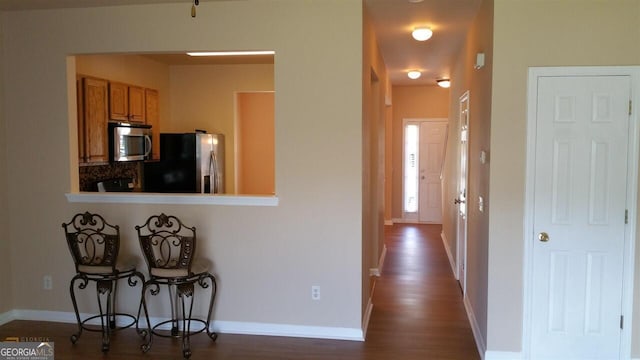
{"points": [[169, 248], [94, 246]]}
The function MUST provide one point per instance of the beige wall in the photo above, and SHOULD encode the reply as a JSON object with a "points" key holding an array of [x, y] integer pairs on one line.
{"points": [[478, 83], [129, 69], [430, 101], [6, 302], [266, 258], [202, 97], [538, 33], [374, 83]]}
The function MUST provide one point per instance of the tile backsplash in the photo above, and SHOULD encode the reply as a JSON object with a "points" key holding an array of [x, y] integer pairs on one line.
{"points": [[91, 174]]}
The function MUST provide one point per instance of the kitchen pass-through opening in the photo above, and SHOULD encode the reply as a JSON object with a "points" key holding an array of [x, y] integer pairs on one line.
{"points": [[232, 96]]}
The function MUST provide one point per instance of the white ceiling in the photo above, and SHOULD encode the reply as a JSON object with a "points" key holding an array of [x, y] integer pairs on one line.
{"points": [[393, 21]]}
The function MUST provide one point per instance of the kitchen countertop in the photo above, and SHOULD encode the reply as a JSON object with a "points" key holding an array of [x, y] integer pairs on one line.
{"points": [[178, 199]]}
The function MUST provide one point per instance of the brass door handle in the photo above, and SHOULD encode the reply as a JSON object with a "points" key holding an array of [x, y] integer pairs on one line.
{"points": [[543, 236], [458, 201]]}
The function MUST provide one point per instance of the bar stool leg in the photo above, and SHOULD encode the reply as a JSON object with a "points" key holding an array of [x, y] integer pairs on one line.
{"points": [[132, 280], [112, 299], [105, 287], [154, 290], [82, 285], [203, 284], [185, 292], [173, 298]]}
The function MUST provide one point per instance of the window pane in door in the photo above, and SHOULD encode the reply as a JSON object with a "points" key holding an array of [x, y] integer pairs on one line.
{"points": [[410, 198]]}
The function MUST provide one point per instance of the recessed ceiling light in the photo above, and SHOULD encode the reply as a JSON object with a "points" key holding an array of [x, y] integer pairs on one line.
{"points": [[415, 1], [414, 74], [231, 53], [444, 83], [422, 33]]}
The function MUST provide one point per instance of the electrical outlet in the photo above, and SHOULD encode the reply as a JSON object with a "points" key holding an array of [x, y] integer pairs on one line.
{"points": [[47, 282], [315, 292]]}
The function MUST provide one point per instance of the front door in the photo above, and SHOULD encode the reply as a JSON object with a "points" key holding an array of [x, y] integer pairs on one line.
{"points": [[423, 154], [432, 142], [579, 205]]}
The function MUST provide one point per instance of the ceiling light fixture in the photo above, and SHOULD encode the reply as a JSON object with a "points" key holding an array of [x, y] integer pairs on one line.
{"points": [[231, 53], [414, 74], [193, 8], [422, 33], [444, 83]]}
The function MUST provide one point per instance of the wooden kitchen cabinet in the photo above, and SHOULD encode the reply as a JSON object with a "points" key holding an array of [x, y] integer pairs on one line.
{"points": [[136, 104], [92, 120], [126, 102], [152, 111]]}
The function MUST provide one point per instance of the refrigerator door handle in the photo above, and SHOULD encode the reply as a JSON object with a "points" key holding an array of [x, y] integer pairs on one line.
{"points": [[213, 165]]}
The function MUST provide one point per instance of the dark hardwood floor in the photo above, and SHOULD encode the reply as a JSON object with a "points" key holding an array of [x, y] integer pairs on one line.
{"points": [[418, 314]]}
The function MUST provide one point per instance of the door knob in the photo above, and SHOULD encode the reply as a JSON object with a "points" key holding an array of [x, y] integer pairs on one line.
{"points": [[543, 236], [458, 201]]}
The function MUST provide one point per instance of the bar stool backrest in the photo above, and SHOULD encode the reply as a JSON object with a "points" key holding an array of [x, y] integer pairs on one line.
{"points": [[94, 243], [168, 246]]}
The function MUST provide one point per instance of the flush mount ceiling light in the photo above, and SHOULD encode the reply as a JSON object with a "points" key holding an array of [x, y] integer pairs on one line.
{"points": [[414, 74], [422, 33], [231, 53], [444, 83]]}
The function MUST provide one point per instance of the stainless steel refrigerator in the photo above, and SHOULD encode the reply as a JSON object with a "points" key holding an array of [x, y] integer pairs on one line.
{"points": [[189, 163]]}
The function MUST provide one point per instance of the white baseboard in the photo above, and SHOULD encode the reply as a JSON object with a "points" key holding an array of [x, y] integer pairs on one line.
{"points": [[388, 222], [367, 316], [6, 317], [317, 332], [415, 221], [477, 334], [377, 271], [226, 327], [404, 221], [502, 355], [447, 249]]}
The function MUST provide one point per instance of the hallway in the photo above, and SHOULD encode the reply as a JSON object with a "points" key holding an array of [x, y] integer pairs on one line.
{"points": [[418, 309], [418, 314]]}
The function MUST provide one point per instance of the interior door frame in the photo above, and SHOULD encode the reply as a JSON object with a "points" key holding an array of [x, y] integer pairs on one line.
{"points": [[236, 135], [406, 219], [632, 190], [461, 241]]}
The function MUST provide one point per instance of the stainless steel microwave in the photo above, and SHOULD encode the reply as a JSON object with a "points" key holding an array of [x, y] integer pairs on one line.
{"points": [[129, 142]]}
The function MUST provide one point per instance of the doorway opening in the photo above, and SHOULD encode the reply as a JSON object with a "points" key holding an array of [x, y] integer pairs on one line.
{"points": [[255, 142]]}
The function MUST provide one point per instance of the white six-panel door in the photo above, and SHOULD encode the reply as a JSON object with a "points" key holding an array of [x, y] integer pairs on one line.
{"points": [[432, 143], [579, 202]]}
